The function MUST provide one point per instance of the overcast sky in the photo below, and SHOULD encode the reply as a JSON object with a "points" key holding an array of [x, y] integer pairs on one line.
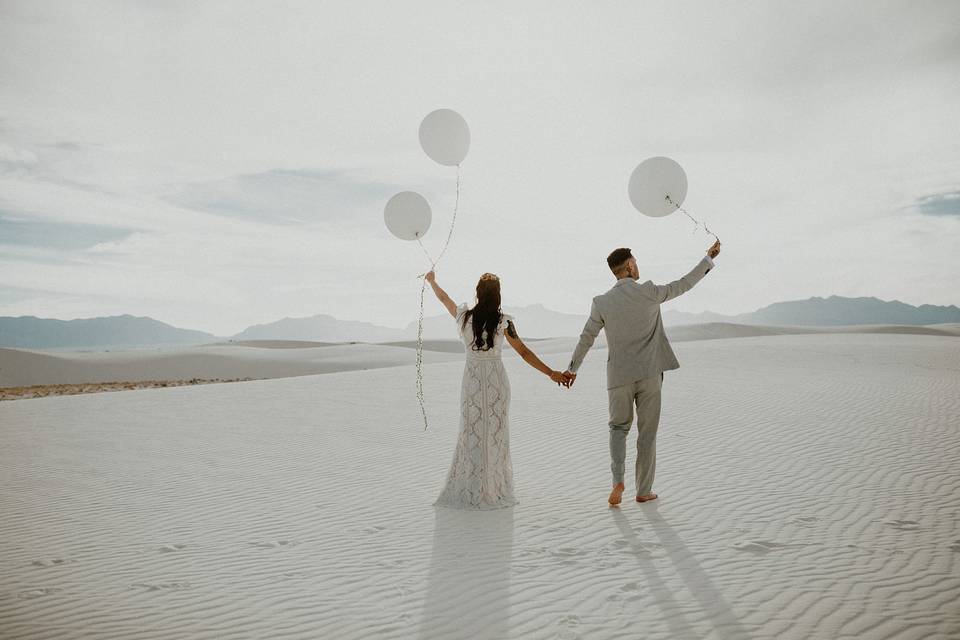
{"points": [[219, 164]]}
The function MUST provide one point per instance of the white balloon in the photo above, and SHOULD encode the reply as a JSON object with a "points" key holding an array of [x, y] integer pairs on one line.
{"points": [[652, 182], [407, 215], [445, 137]]}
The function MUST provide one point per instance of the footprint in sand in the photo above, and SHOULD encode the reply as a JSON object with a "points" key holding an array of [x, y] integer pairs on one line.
{"points": [[50, 563], [903, 525], [374, 529], [630, 586], [172, 548], [567, 625], [804, 521], [635, 547], [161, 586], [274, 544], [29, 594], [758, 546], [955, 546], [566, 555]]}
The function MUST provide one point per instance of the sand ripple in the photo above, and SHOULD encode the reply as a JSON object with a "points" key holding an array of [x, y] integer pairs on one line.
{"points": [[808, 490]]}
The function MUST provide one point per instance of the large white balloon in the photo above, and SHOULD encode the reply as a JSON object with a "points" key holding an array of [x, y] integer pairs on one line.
{"points": [[407, 215], [445, 137], [652, 182]]}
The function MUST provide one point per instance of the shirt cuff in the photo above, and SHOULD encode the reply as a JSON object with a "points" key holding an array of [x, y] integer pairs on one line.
{"points": [[710, 262]]}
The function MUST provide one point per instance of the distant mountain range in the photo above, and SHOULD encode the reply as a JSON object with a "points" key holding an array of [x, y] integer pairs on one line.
{"points": [[320, 328], [28, 332], [534, 321], [828, 312]]}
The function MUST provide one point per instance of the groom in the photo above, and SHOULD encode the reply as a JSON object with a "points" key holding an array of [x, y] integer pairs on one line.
{"points": [[639, 353]]}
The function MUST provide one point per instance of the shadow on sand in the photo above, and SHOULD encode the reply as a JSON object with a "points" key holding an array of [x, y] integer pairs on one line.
{"points": [[468, 589], [683, 563]]}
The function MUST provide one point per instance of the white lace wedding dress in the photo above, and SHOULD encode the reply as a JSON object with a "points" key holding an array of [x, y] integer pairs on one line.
{"points": [[481, 474]]}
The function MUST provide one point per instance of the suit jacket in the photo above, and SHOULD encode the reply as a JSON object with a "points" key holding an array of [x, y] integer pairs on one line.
{"points": [[629, 313]]}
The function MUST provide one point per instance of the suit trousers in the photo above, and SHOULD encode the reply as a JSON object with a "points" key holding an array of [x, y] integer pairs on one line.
{"points": [[644, 396]]}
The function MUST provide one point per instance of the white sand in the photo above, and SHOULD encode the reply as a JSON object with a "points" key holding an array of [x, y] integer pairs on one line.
{"points": [[278, 360], [809, 489], [261, 359]]}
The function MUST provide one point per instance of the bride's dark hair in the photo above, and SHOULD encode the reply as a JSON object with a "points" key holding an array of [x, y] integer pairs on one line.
{"points": [[485, 315]]}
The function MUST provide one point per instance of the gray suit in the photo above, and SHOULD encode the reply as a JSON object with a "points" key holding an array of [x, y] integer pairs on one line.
{"points": [[638, 354]]}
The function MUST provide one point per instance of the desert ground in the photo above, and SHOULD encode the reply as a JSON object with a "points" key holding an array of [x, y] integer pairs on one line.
{"points": [[808, 489]]}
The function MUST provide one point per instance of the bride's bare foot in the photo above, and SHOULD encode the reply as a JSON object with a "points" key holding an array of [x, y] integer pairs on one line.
{"points": [[647, 498], [616, 494]]}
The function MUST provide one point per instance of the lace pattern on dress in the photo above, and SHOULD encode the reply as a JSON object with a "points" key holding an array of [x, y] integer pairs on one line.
{"points": [[481, 473]]}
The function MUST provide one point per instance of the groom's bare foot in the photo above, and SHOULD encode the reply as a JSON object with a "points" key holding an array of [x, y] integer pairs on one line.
{"points": [[647, 498], [616, 494]]}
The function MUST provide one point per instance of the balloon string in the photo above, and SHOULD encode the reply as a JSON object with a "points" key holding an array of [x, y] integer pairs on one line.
{"points": [[423, 409], [453, 221], [423, 288], [456, 206], [426, 253], [696, 223]]}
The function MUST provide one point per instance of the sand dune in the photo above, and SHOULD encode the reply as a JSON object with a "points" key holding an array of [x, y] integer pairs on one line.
{"points": [[275, 344], [443, 346], [925, 330], [22, 368], [261, 359], [538, 345], [249, 360], [722, 330], [808, 490]]}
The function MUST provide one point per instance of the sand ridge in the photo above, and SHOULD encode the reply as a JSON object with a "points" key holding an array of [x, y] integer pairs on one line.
{"points": [[262, 359], [20, 368]]}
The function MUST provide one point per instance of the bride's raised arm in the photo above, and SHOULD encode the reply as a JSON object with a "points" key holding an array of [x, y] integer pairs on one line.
{"points": [[441, 294], [530, 357]]}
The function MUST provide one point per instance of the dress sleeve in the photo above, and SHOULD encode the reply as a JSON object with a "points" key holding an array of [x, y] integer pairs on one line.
{"points": [[505, 320], [461, 309]]}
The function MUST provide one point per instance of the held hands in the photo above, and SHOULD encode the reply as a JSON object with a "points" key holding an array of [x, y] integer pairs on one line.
{"points": [[564, 378], [431, 276], [714, 251]]}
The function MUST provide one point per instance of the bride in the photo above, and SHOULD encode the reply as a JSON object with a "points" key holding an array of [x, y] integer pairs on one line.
{"points": [[481, 474]]}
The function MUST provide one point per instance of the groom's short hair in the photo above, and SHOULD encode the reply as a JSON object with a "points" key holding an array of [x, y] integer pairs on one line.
{"points": [[618, 259]]}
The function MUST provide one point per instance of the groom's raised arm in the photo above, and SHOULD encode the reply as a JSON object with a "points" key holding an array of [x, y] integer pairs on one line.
{"points": [[590, 332], [664, 292]]}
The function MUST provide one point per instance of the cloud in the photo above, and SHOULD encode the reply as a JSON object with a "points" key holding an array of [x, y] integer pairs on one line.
{"points": [[12, 158], [940, 204], [70, 236], [284, 196], [803, 127], [9, 295]]}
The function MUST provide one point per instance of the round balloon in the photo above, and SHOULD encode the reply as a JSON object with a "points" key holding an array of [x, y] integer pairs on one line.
{"points": [[657, 186], [445, 137], [407, 215]]}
